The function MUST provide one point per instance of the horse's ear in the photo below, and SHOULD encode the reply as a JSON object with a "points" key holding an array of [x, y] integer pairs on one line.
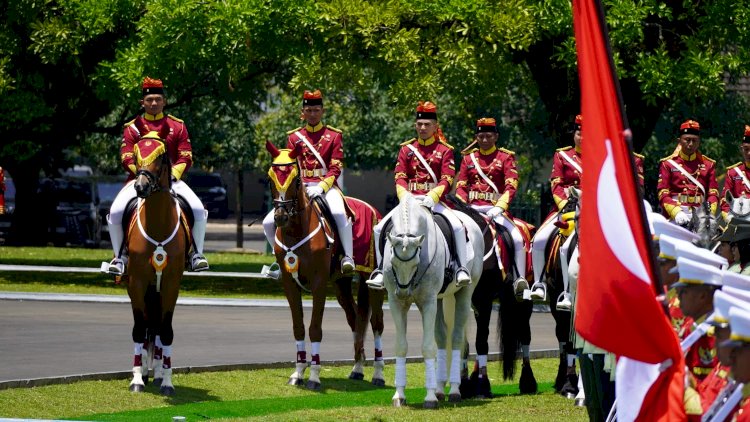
{"points": [[388, 237], [164, 132], [271, 148], [419, 239]]}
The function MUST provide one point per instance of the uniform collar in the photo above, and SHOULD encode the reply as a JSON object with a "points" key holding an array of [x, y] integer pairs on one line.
{"points": [[747, 164], [688, 157], [426, 142], [151, 117], [489, 151], [313, 129], [577, 150]]}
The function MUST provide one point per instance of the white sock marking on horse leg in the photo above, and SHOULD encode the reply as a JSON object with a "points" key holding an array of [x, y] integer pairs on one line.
{"points": [[482, 361], [167, 357], [378, 342], [525, 351], [429, 374], [455, 367], [300, 345], [315, 358], [400, 380], [442, 366]]}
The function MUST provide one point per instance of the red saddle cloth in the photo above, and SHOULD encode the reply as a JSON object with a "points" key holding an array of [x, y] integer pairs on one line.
{"points": [[365, 217], [527, 231]]}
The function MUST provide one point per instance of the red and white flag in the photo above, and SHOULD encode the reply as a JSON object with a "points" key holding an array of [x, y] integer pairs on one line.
{"points": [[616, 308]]}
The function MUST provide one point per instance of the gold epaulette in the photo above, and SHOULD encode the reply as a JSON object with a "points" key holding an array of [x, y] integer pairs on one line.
{"points": [[129, 123], [564, 148], [669, 157], [734, 165], [468, 151], [446, 144], [289, 132], [175, 118], [333, 129], [507, 151], [709, 159], [405, 143], [639, 155]]}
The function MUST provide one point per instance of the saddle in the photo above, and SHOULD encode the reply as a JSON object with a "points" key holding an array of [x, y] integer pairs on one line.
{"points": [[128, 220], [445, 227]]}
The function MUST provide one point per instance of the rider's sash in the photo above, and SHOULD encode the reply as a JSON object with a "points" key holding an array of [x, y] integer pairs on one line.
{"points": [[484, 176], [684, 172], [312, 149], [423, 161]]}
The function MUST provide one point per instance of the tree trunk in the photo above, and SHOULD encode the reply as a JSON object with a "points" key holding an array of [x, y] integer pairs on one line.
{"points": [[239, 179], [34, 214]]}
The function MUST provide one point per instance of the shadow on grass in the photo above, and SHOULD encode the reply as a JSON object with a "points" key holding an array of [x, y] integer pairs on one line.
{"points": [[183, 395]]}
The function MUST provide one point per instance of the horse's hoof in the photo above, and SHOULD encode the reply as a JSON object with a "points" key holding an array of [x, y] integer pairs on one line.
{"points": [[579, 403], [157, 382], [399, 402], [166, 390], [313, 385], [569, 396], [432, 404], [454, 398], [137, 388], [527, 383], [440, 396], [378, 382], [145, 380], [467, 387], [356, 376], [295, 381]]}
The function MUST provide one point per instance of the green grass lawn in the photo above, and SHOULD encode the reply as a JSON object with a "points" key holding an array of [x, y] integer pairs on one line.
{"points": [[264, 395], [102, 284]]}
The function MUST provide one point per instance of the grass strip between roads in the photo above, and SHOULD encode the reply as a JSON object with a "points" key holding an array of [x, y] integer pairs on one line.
{"points": [[263, 395]]}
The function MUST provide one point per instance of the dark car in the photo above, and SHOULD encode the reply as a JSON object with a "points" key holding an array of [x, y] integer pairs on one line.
{"points": [[76, 219], [211, 190], [108, 188], [10, 206]]}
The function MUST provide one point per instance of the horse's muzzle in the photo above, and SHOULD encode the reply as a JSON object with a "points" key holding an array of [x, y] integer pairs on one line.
{"points": [[143, 190], [280, 217]]}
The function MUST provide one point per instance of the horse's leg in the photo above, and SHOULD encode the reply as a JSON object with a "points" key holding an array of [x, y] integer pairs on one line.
{"points": [[482, 299], [376, 322], [353, 318], [461, 314], [441, 340], [399, 311], [153, 308], [294, 298], [428, 307], [136, 293], [316, 330], [527, 383], [166, 333]]}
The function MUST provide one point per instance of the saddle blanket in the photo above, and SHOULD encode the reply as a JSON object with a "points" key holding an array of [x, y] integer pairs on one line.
{"points": [[365, 217]]}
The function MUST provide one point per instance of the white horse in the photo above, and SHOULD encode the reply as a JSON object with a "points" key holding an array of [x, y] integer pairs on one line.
{"points": [[739, 208], [416, 256]]}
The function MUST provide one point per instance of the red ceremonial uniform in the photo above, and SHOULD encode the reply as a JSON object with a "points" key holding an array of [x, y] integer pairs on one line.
{"points": [[2, 191], [499, 165], [565, 174], [675, 189], [710, 388], [681, 324], [328, 142], [737, 182], [413, 177], [638, 159], [743, 412], [701, 357], [177, 142]]}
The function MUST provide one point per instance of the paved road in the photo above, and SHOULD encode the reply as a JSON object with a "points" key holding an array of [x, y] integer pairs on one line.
{"points": [[52, 339]]}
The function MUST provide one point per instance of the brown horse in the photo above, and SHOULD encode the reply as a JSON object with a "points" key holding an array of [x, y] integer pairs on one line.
{"points": [[306, 253], [157, 248]]}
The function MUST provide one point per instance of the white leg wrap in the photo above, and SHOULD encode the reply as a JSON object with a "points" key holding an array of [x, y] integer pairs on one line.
{"points": [[137, 376], [378, 342], [571, 359], [455, 366], [378, 365], [300, 345], [167, 378], [315, 346], [315, 373], [429, 374], [482, 361], [299, 371], [526, 353], [442, 366], [400, 380]]}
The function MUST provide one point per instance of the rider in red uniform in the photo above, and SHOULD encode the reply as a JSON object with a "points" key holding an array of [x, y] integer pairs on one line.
{"points": [[737, 180], [488, 181], [427, 183], [687, 177]]}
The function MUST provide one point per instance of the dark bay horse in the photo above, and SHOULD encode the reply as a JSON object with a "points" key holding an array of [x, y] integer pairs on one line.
{"points": [[157, 242], [307, 254], [514, 328]]}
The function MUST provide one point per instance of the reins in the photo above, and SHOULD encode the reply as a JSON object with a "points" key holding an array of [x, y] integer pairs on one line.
{"points": [[425, 268]]}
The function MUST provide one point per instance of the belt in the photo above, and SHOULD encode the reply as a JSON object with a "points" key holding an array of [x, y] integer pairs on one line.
{"points": [[421, 186], [688, 199], [312, 173], [487, 196]]}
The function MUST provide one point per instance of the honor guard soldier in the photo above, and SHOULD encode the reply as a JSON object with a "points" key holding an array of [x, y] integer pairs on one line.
{"points": [[687, 178], [566, 173], [321, 161], [177, 142], [425, 168], [739, 349], [737, 181], [488, 180], [695, 289], [2, 191], [737, 233]]}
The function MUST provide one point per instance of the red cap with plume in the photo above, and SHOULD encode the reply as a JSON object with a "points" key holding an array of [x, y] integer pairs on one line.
{"points": [[152, 86], [310, 98], [691, 127], [426, 110], [486, 124], [746, 138]]}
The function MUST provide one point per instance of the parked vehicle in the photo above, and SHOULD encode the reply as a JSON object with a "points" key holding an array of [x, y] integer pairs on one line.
{"points": [[76, 219], [211, 190], [108, 188]]}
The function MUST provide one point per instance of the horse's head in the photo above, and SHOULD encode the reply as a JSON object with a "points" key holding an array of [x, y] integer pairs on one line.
{"points": [[410, 223], [738, 207], [704, 224], [286, 185], [153, 165]]}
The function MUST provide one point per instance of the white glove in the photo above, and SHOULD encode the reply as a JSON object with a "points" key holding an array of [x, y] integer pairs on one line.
{"points": [[313, 191], [495, 211], [428, 202], [681, 218]]}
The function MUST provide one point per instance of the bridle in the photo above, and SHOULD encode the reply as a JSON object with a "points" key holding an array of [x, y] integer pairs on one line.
{"points": [[413, 256], [153, 180], [289, 206]]}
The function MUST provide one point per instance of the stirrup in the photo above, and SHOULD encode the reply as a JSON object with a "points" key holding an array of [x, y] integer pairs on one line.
{"points": [[520, 286], [538, 291], [563, 302], [347, 265], [376, 281], [198, 263], [465, 280], [117, 266], [274, 271]]}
